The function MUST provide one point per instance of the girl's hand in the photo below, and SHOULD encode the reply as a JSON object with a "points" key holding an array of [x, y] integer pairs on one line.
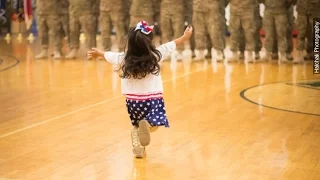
{"points": [[188, 32], [94, 53]]}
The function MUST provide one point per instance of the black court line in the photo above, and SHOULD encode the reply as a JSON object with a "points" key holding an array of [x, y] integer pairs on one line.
{"points": [[242, 95], [303, 86], [15, 64]]}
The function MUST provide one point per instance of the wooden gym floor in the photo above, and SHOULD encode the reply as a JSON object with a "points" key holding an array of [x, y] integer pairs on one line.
{"points": [[67, 119]]}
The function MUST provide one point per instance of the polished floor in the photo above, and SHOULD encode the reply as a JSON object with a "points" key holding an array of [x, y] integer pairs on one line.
{"points": [[66, 119]]}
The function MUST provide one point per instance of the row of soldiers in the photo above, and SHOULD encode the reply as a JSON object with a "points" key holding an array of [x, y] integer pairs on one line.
{"points": [[57, 19]]}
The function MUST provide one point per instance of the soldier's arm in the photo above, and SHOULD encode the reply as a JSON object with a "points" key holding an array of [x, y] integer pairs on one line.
{"points": [[226, 2]]}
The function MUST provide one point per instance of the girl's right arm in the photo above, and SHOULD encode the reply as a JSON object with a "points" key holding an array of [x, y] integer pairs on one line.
{"points": [[186, 35], [111, 57], [167, 48]]}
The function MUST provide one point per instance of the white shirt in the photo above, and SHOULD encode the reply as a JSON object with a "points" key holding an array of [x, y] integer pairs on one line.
{"points": [[148, 85]]}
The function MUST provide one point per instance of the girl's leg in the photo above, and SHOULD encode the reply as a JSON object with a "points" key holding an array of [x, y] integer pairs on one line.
{"points": [[144, 132], [138, 150]]}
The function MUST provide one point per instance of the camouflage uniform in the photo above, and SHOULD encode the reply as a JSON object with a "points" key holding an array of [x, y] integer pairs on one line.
{"points": [[307, 10], [242, 17], [142, 10], [63, 11], [172, 20], [276, 17], [258, 42], [207, 19], [83, 15], [289, 37], [157, 17], [48, 27], [113, 16], [188, 19]]}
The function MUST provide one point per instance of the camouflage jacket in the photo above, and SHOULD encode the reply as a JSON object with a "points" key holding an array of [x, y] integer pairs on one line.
{"points": [[45, 7]]}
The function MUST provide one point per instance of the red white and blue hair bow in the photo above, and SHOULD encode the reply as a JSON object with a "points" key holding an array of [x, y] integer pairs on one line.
{"points": [[144, 27]]}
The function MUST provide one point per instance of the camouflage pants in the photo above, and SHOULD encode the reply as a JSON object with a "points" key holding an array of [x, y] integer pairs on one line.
{"points": [[107, 20], [64, 27], [134, 20], [289, 34], [257, 38], [207, 26], [305, 37], [246, 23], [279, 22], [86, 22], [48, 28], [172, 26]]}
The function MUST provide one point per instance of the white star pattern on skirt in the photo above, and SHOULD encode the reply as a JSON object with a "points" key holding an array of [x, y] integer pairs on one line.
{"points": [[152, 110]]}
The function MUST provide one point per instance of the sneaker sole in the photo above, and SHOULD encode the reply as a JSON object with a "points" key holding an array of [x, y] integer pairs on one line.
{"points": [[144, 133], [138, 152]]}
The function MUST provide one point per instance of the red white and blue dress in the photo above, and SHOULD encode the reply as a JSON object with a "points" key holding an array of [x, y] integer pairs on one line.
{"points": [[144, 97]]}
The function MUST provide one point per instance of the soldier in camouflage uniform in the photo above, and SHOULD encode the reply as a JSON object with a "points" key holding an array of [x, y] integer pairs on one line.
{"points": [[157, 18], [172, 21], [113, 16], [207, 19], [289, 36], [48, 28], [307, 10], [64, 19], [258, 42], [242, 17], [276, 17], [142, 10], [188, 21], [83, 15]]}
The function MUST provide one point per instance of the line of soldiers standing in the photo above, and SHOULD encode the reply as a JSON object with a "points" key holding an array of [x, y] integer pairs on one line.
{"points": [[57, 19]]}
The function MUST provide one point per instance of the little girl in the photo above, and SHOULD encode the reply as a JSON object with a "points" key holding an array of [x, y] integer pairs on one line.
{"points": [[141, 81]]}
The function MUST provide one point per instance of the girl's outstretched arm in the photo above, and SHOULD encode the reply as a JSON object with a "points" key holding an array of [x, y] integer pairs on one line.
{"points": [[95, 53], [186, 35]]}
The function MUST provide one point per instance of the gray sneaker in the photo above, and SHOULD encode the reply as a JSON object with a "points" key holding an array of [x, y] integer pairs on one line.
{"points": [[137, 149], [144, 133]]}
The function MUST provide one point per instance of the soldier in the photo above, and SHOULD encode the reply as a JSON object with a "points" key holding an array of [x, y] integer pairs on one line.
{"points": [[307, 10], [113, 16], [242, 17], [82, 14], [48, 28], [142, 10], [172, 21], [157, 18], [64, 19], [207, 20], [258, 43], [188, 21], [289, 36], [276, 17]]}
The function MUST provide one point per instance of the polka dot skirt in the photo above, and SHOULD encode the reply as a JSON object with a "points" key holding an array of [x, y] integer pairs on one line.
{"points": [[152, 110]]}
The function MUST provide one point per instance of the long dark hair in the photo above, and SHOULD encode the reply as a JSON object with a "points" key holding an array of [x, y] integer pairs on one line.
{"points": [[141, 56]]}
